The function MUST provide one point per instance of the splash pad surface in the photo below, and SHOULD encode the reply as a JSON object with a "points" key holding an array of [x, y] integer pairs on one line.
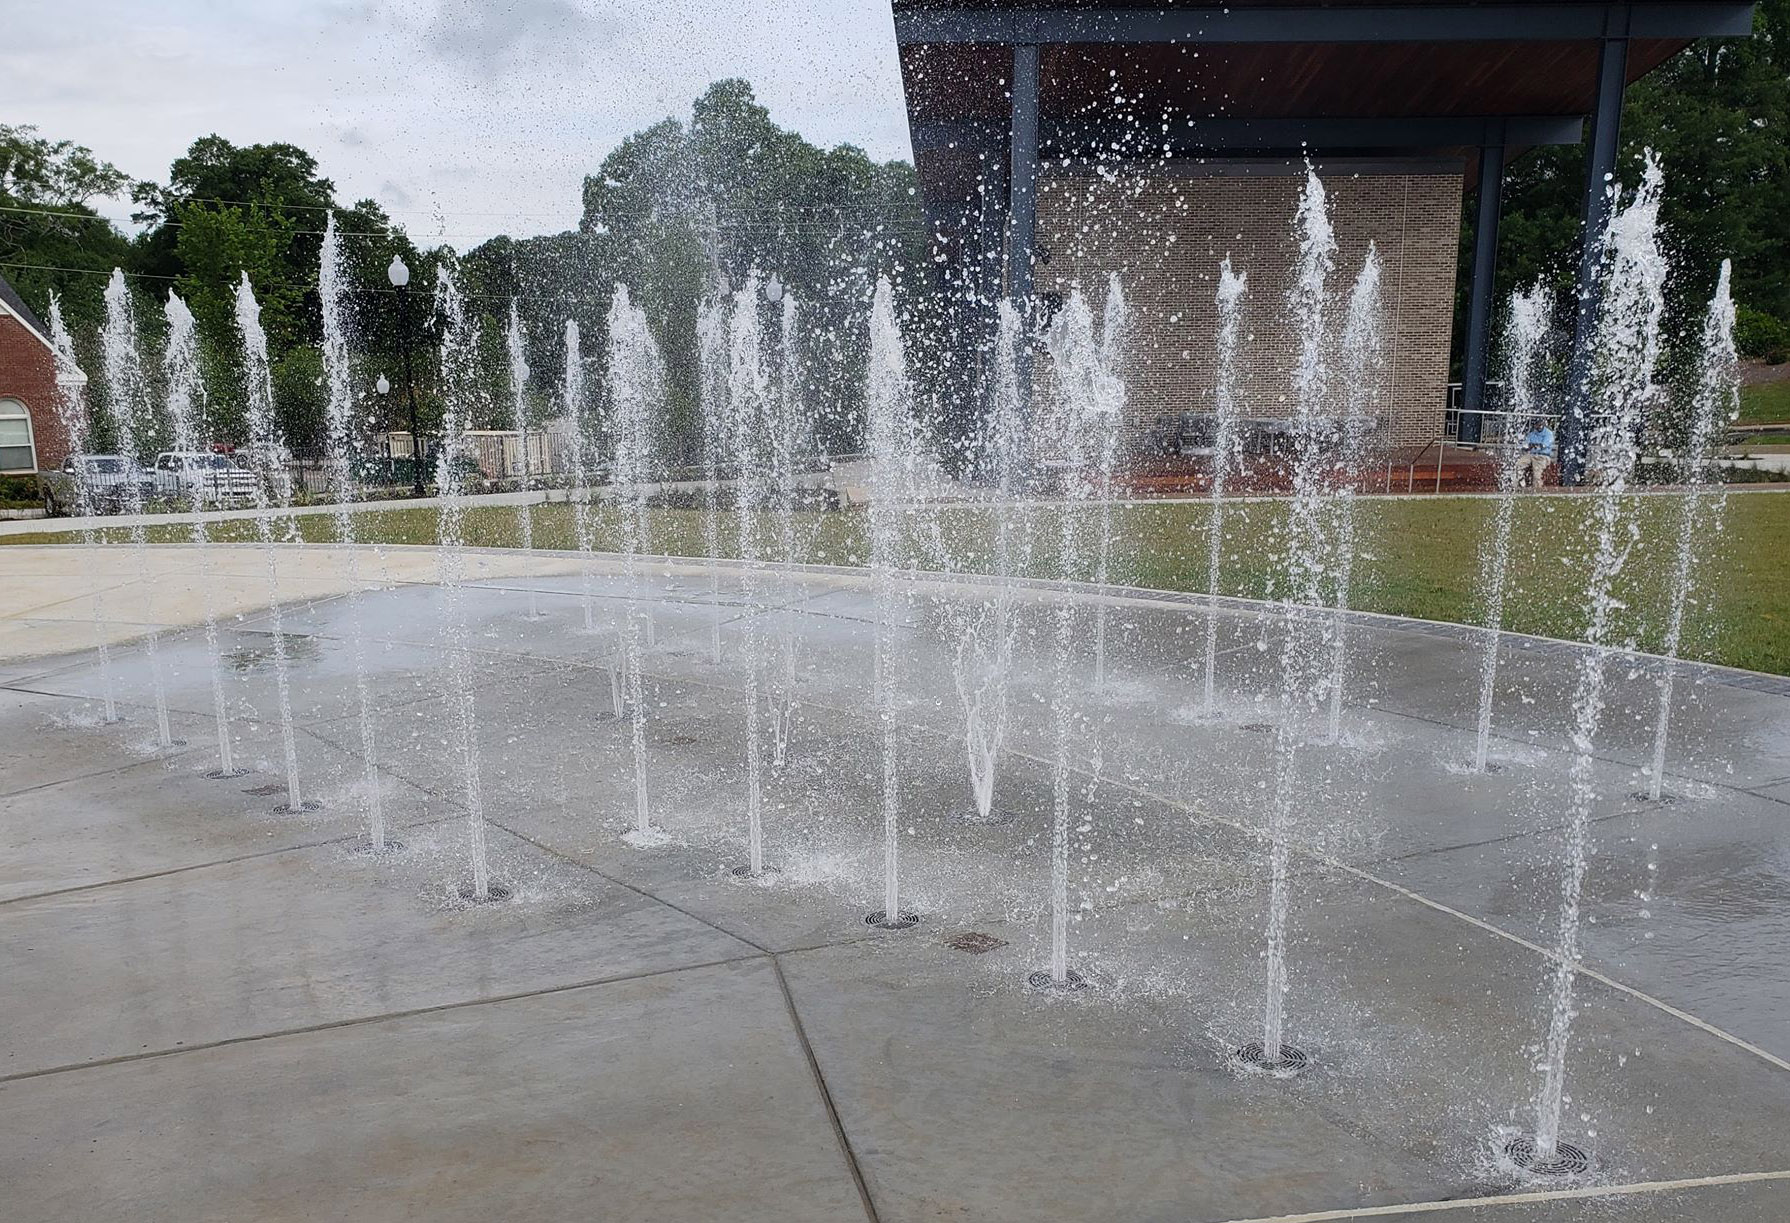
{"points": [[267, 1018]]}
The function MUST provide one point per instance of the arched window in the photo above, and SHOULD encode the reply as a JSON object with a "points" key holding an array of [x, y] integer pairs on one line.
{"points": [[17, 454]]}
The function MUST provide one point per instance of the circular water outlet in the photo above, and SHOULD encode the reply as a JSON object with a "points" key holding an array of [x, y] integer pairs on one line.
{"points": [[305, 807], [1071, 982], [226, 774], [1567, 1160], [171, 744], [994, 819], [1251, 1056], [902, 921], [494, 892], [392, 846], [746, 872]]}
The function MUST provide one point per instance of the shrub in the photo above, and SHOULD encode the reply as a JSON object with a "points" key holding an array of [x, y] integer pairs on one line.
{"points": [[1761, 336]]}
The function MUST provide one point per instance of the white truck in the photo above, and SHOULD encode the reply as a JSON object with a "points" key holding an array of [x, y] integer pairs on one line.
{"points": [[210, 479]]}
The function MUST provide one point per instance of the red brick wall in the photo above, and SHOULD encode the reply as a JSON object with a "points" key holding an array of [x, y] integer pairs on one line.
{"points": [[28, 374], [1166, 235]]}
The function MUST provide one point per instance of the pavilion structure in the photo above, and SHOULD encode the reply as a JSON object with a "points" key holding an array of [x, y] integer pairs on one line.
{"points": [[1413, 101]]}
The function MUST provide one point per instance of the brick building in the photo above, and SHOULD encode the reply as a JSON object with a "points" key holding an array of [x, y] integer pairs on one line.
{"points": [[1055, 143], [31, 434]]}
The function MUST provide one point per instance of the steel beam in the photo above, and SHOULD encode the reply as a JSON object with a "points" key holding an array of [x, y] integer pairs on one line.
{"points": [[1480, 292], [1072, 138], [1316, 24], [1600, 186], [1022, 208]]}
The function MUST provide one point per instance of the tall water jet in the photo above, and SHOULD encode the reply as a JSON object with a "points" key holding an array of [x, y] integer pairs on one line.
{"points": [[345, 490], [1626, 352], [748, 394], [984, 659], [786, 433], [636, 397], [131, 420], [583, 528], [525, 512], [459, 356], [1091, 398], [713, 354], [1227, 451], [71, 413], [1525, 344], [887, 399], [1114, 326], [1305, 642], [180, 368], [1716, 402], [1362, 341], [273, 498]]}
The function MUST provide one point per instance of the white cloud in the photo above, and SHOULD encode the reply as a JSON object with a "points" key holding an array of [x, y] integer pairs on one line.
{"points": [[465, 117]]}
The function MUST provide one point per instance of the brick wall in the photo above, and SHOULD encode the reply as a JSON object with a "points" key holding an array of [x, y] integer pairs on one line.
{"points": [[1166, 236], [28, 374]]}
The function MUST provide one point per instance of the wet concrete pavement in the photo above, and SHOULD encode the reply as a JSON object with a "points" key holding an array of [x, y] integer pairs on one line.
{"points": [[218, 1012]]}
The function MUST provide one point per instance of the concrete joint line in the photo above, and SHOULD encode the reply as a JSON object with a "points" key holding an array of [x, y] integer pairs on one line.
{"points": [[1581, 1193], [362, 1020], [826, 1093]]}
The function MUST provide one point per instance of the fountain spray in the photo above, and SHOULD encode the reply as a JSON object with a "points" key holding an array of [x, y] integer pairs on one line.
{"points": [[130, 418], [985, 650], [713, 354], [1700, 512], [748, 395], [1092, 400], [1627, 344], [1525, 340], [345, 489], [273, 498], [1362, 341], [525, 512], [180, 365], [887, 403], [1305, 641], [786, 441], [1227, 451], [637, 397], [459, 353], [71, 413], [583, 530]]}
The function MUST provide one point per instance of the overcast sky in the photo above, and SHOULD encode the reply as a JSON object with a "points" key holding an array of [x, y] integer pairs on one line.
{"points": [[465, 118]]}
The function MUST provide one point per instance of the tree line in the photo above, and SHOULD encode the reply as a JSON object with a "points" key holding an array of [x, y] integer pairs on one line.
{"points": [[687, 205]]}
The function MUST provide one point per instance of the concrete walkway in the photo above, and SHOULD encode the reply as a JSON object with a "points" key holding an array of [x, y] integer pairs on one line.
{"points": [[217, 1012]]}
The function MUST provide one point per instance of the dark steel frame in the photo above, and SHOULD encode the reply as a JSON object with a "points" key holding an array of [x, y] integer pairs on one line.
{"points": [[1610, 24]]}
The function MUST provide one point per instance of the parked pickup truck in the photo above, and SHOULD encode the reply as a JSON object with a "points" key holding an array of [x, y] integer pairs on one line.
{"points": [[210, 479], [106, 480]]}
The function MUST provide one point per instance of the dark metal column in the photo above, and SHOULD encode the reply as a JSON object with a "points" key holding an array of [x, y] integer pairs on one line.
{"points": [[1481, 290], [1022, 206], [1600, 182]]}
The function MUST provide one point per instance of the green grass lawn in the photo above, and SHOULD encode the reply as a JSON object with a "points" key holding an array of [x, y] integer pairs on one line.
{"points": [[1768, 403], [1419, 557]]}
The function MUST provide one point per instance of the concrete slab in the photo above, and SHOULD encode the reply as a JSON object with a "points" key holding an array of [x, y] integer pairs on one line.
{"points": [[682, 1095], [288, 1028]]}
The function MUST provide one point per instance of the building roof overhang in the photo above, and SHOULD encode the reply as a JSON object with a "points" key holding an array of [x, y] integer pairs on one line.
{"points": [[1121, 80]]}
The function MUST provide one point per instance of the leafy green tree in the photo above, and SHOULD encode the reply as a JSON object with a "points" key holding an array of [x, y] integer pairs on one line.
{"points": [[51, 239]]}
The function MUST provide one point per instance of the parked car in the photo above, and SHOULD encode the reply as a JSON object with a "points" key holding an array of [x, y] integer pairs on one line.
{"points": [[215, 479], [105, 478]]}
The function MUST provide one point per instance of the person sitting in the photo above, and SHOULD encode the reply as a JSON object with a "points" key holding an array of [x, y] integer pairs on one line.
{"points": [[1538, 453]]}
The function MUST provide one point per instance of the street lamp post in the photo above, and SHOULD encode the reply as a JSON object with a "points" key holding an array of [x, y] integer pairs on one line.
{"points": [[399, 275]]}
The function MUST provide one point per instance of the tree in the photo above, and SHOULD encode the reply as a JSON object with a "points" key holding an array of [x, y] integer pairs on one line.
{"points": [[51, 239]]}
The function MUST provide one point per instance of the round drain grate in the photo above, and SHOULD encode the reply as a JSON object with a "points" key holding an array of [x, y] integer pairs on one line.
{"points": [[994, 819], [226, 774], [1252, 1056], [745, 872], [1071, 982], [308, 805], [902, 920], [1257, 728], [392, 846], [1567, 1160], [494, 892], [1642, 796]]}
